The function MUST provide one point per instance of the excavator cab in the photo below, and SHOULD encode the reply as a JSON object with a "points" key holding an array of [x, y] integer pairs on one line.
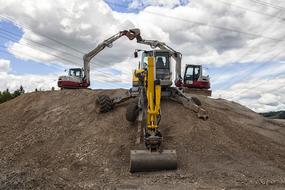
{"points": [[75, 72], [73, 80], [162, 65], [195, 81], [194, 78], [192, 73]]}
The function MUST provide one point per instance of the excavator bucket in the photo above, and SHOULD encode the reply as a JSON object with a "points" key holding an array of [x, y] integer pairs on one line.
{"points": [[144, 160]]}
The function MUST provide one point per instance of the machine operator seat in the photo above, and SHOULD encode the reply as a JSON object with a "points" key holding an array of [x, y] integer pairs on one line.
{"points": [[159, 63]]}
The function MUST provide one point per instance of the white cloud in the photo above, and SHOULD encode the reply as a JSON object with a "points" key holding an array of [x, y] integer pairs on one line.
{"points": [[29, 82], [70, 23], [269, 99], [260, 95], [4, 65], [202, 44], [35, 54], [139, 4], [269, 70]]}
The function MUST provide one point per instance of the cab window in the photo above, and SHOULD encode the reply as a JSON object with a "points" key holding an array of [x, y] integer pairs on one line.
{"points": [[75, 73], [196, 73], [162, 60], [189, 72]]}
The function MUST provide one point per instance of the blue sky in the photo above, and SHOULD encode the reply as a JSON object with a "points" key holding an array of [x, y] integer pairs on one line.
{"points": [[124, 6], [19, 66], [233, 75]]}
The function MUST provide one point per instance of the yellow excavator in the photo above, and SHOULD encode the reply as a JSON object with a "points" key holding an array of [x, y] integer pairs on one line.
{"points": [[152, 82]]}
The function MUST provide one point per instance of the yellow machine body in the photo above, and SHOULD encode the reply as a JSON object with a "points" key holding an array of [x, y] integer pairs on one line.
{"points": [[138, 77]]}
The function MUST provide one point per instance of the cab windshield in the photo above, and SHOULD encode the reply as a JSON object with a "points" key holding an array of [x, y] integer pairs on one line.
{"points": [[161, 59], [75, 73]]}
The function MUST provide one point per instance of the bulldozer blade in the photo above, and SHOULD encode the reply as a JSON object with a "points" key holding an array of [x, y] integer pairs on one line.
{"points": [[144, 160]]}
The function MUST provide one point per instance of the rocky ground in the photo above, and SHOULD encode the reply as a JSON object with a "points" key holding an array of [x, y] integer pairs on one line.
{"points": [[56, 140]]}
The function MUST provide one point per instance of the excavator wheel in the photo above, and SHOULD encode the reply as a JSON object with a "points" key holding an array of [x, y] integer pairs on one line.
{"points": [[196, 101], [132, 112], [104, 104]]}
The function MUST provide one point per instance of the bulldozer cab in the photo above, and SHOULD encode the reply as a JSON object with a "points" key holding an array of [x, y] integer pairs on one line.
{"points": [[75, 72], [162, 65]]}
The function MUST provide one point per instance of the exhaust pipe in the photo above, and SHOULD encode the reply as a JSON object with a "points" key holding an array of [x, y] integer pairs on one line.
{"points": [[145, 160]]}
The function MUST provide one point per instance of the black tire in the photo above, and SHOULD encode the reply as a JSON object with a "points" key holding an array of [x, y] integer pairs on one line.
{"points": [[196, 101], [132, 112], [104, 104]]}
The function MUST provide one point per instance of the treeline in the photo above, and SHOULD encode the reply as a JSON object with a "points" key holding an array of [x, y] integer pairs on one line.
{"points": [[274, 115], [7, 95]]}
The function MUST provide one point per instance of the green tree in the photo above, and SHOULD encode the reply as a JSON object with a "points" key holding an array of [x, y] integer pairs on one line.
{"points": [[5, 96], [18, 92]]}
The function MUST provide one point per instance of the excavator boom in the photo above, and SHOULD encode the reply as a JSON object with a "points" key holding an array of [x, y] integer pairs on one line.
{"points": [[131, 34]]}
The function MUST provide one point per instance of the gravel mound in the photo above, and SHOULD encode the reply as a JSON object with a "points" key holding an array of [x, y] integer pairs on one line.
{"points": [[57, 140]]}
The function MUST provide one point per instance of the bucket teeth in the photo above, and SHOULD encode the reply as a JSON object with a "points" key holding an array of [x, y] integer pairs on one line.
{"points": [[145, 160]]}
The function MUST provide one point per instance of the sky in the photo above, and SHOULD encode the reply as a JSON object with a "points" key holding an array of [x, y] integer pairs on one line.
{"points": [[241, 43]]}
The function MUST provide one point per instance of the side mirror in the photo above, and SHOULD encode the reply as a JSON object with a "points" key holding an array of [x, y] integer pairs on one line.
{"points": [[135, 54]]}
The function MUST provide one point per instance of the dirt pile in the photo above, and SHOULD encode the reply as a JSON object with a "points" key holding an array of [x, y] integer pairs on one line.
{"points": [[56, 140]]}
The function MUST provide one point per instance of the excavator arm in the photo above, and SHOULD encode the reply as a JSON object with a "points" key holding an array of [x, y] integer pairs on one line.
{"points": [[131, 34], [153, 92]]}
